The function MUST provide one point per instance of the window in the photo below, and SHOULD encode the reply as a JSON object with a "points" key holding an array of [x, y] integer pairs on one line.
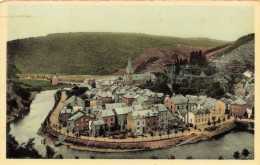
{"points": [[177, 107], [106, 120], [148, 124], [153, 123], [138, 123], [111, 119]]}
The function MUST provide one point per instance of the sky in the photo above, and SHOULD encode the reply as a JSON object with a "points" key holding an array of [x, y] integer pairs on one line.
{"points": [[215, 22]]}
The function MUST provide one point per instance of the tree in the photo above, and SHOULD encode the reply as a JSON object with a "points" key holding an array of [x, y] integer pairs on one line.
{"points": [[219, 120], [151, 134], [154, 157], [236, 155], [172, 157], [175, 132], [49, 152], [195, 127], [220, 157], [189, 157], [245, 152], [168, 133], [182, 130]]}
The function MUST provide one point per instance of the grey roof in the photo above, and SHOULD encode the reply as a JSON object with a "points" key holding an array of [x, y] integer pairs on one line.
{"points": [[129, 65], [209, 103], [121, 91], [145, 113], [179, 99], [115, 105], [73, 99], [160, 94], [85, 85], [199, 111], [140, 100], [143, 76], [65, 110], [76, 116], [106, 95], [97, 108], [138, 107], [108, 112], [130, 94], [99, 122], [239, 101], [97, 97], [160, 107], [123, 110], [193, 99]]}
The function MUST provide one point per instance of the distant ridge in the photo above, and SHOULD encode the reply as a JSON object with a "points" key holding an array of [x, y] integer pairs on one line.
{"points": [[96, 53]]}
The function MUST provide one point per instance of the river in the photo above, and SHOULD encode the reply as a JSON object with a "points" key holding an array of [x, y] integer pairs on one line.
{"points": [[224, 145]]}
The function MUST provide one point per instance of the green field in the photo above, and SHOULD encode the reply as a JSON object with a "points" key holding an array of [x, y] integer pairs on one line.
{"points": [[87, 53], [36, 84]]}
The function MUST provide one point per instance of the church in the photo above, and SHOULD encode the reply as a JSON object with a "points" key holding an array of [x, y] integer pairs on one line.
{"points": [[136, 79]]}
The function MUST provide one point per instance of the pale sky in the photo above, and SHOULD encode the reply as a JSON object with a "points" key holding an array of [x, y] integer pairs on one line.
{"points": [[216, 22]]}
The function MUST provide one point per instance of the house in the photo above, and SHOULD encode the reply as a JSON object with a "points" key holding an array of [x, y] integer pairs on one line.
{"points": [[121, 116], [172, 120], [65, 114], [109, 118], [136, 121], [151, 121], [119, 94], [238, 108], [162, 116], [75, 102], [176, 102], [198, 117], [128, 98], [143, 101], [114, 105], [55, 80], [79, 122], [96, 109], [97, 128], [95, 101], [106, 98]]}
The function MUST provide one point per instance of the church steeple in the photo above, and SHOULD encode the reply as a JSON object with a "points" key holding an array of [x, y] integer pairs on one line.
{"points": [[129, 65], [129, 73]]}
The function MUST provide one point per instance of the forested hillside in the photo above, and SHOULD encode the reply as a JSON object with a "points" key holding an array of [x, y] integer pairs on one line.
{"points": [[87, 53]]}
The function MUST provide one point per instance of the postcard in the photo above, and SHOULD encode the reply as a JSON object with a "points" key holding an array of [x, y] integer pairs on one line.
{"points": [[129, 82]]}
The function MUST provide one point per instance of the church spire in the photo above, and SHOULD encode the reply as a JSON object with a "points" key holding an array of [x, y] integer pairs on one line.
{"points": [[129, 65]]}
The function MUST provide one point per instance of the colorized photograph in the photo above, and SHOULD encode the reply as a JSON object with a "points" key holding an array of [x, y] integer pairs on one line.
{"points": [[130, 82]]}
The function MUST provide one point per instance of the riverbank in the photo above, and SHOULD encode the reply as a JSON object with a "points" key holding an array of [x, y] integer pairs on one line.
{"points": [[49, 128], [19, 101]]}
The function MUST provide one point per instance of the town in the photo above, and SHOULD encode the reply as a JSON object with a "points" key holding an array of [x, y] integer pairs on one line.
{"points": [[115, 107]]}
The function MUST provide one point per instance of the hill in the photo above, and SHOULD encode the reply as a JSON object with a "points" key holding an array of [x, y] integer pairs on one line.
{"points": [[88, 53], [154, 60]]}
